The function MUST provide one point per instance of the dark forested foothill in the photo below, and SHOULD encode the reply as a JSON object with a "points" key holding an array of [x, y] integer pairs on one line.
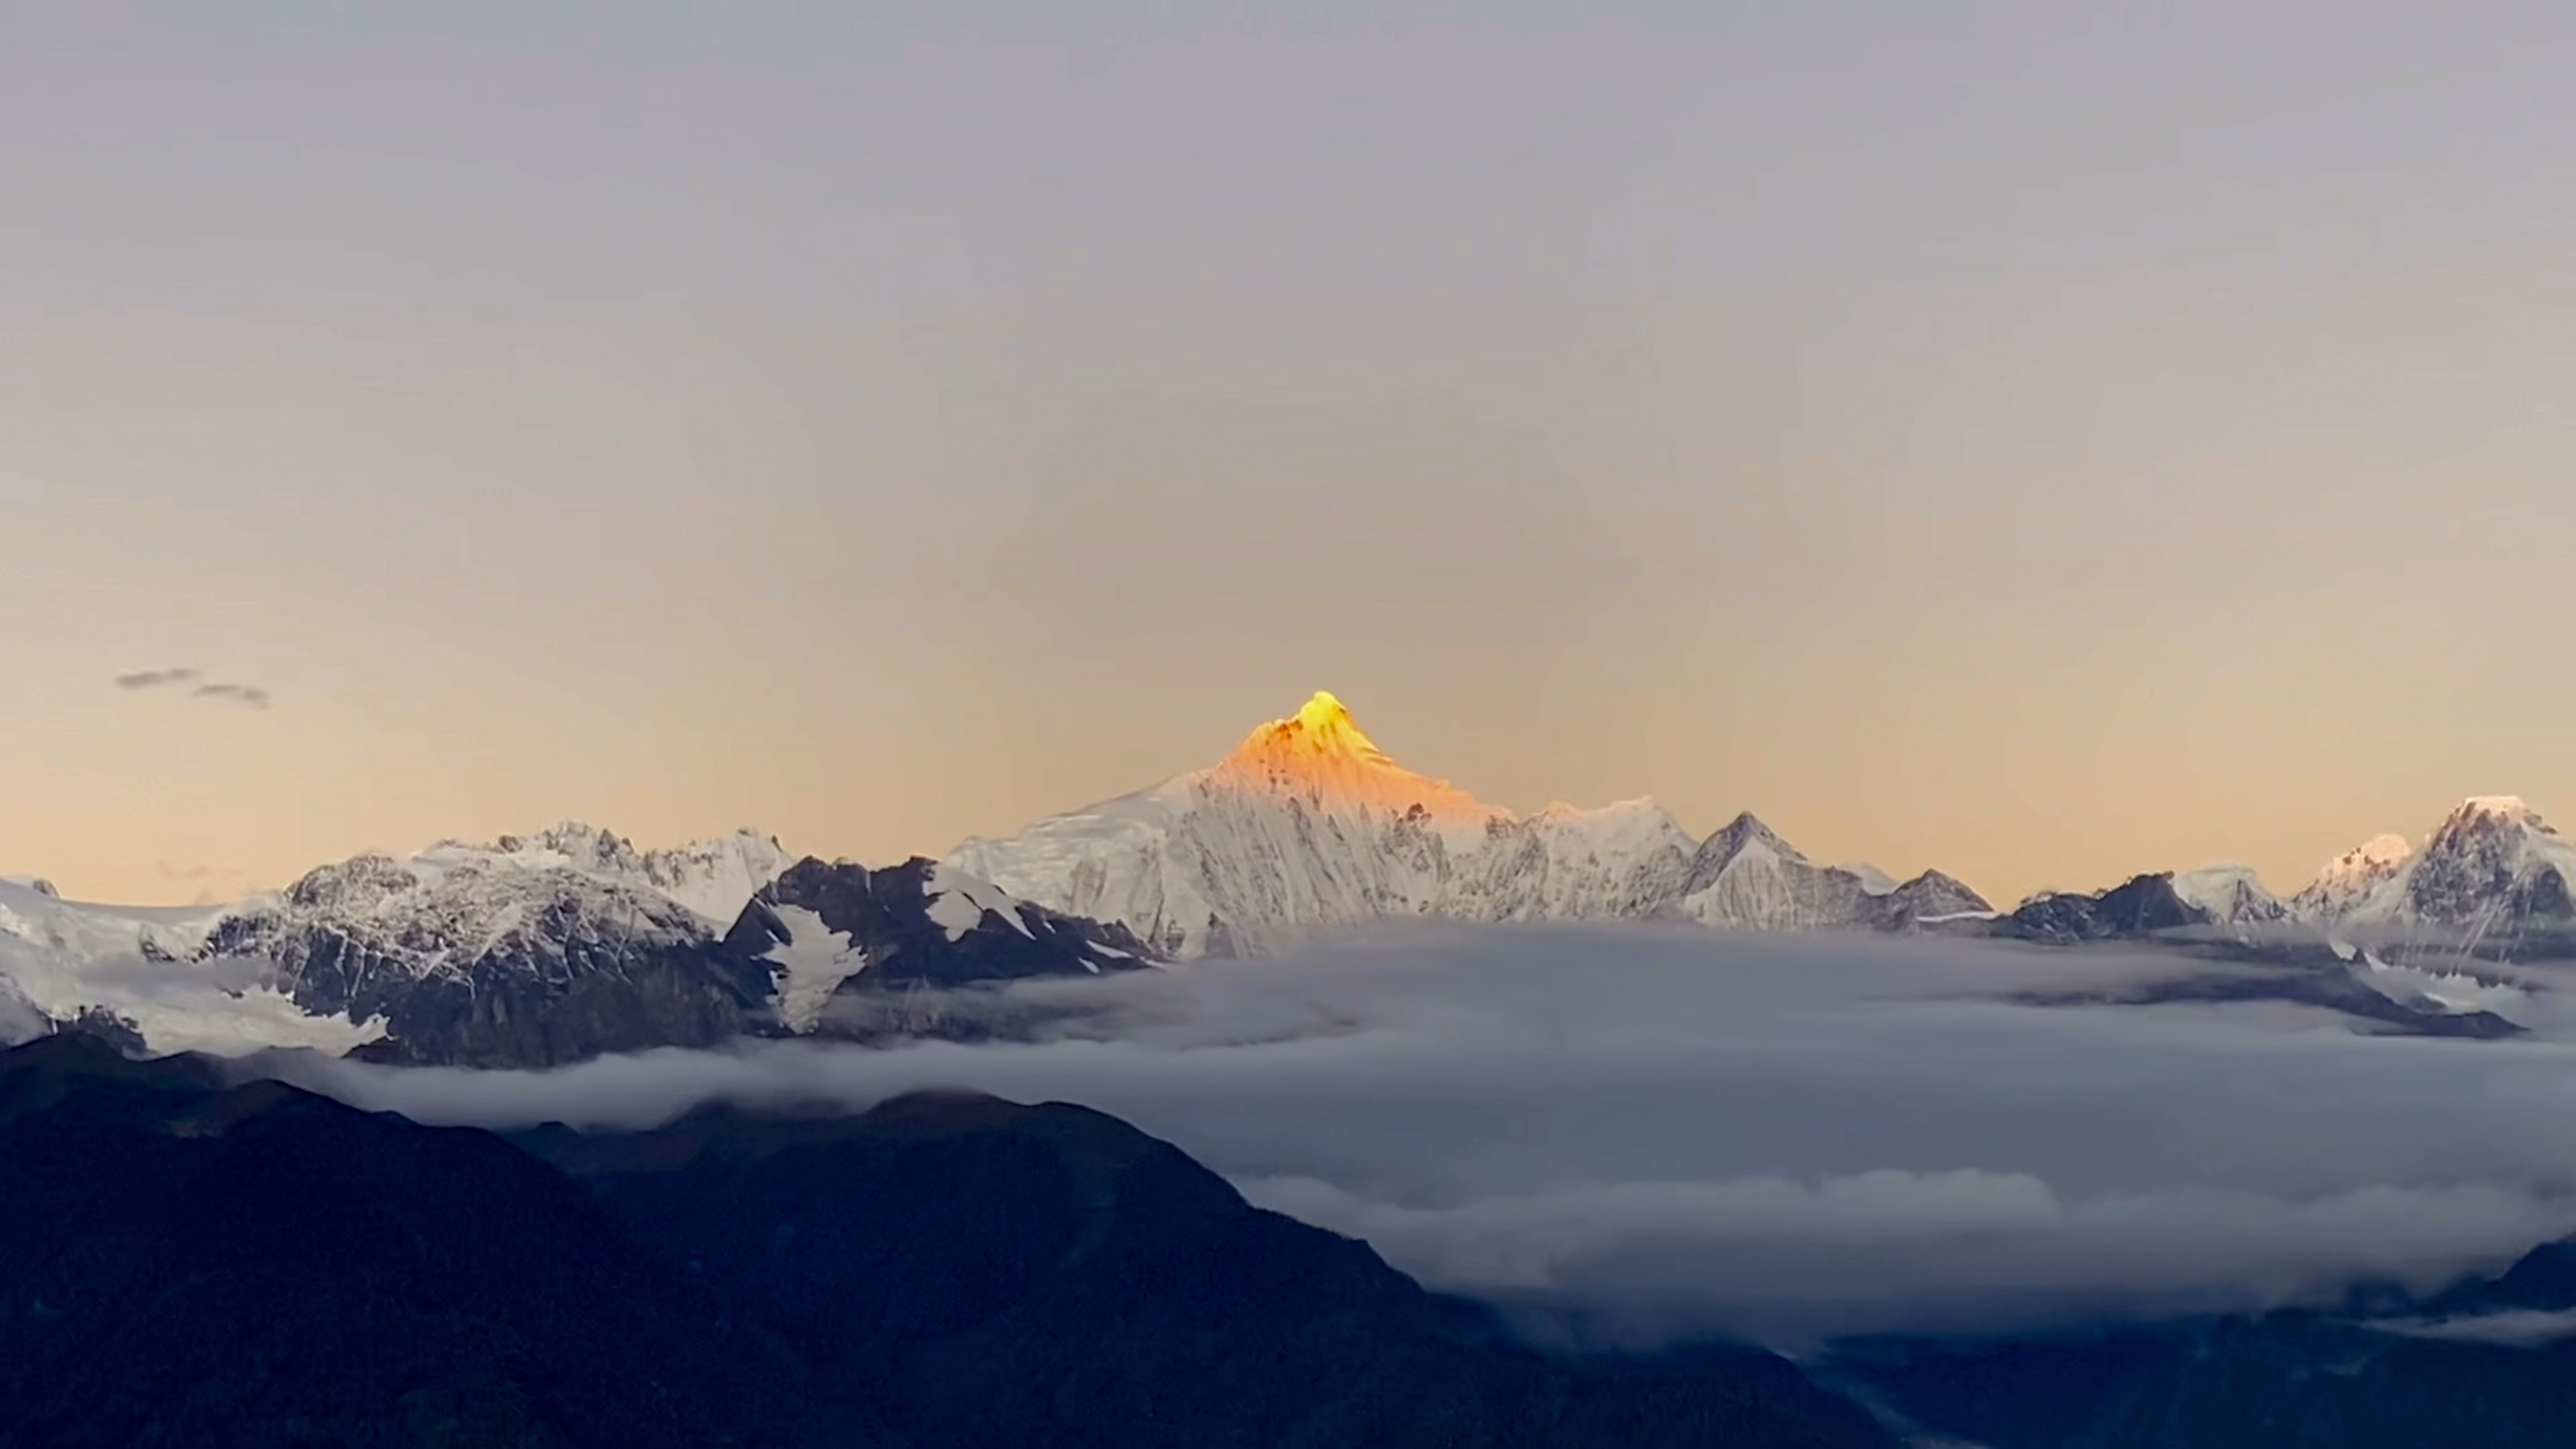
{"points": [[188, 1260]]}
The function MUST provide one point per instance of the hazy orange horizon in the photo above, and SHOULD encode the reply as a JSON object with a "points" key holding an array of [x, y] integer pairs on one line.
{"points": [[885, 428]]}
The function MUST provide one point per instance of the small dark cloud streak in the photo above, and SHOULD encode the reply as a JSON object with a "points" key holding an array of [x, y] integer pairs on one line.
{"points": [[248, 696]]}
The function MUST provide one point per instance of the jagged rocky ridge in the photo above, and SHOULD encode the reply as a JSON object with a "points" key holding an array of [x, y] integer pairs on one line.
{"points": [[847, 936], [2146, 905], [1309, 825]]}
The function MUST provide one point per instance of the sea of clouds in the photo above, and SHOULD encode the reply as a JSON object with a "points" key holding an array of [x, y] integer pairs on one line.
{"points": [[1651, 1133]]}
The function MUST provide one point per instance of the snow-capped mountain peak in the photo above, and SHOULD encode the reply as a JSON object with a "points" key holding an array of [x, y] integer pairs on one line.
{"points": [[1321, 754], [1743, 835], [2231, 895], [2494, 868], [1308, 824], [2493, 859], [2505, 807], [2344, 882], [1321, 726]]}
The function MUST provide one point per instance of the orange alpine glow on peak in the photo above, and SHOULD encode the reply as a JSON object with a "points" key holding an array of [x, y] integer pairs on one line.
{"points": [[1322, 753]]}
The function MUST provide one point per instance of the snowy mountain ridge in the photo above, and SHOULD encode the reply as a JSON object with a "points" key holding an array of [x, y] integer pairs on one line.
{"points": [[530, 951], [2493, 874], [712, 878], [2493, 869], [459, 933], [1309, 825]]}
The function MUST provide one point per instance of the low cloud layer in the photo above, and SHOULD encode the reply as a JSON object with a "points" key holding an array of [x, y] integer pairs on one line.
{"points": [[157, 678], [1656, 1133], [2514, 1328]]}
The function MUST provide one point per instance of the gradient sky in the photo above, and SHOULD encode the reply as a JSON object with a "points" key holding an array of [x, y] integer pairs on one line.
{"points": [[2038, 443]]}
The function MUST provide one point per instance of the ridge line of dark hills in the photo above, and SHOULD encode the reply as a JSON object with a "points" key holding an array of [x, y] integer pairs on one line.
{"points": [[186, 1260]]}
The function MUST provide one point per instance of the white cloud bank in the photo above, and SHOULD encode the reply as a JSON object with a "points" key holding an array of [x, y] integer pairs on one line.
{"points": [[1779, 1136]]}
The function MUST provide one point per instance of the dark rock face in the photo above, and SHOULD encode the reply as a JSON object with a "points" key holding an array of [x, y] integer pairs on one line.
{"points": [[184, 1261], [893, 916], [2491, 864], [2143, 906], [501, 1014]]}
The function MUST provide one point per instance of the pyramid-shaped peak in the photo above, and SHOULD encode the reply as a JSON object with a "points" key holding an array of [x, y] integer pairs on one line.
{"points": [[1744, 832], [1748, 825], [1320, 752], [1325, 711], [1322, 726]]}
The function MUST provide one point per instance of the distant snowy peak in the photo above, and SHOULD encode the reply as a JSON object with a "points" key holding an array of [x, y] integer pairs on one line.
{"points": [[2142, 906], [2230, 895], [1309, 825], [1747, 877], [2350, 878], [2227, 897], [2494, 864], [36, 883], [1746, 837]]}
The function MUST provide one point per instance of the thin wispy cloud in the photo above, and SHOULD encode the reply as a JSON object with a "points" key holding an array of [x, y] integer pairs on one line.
{"points": [[248, 696]]}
